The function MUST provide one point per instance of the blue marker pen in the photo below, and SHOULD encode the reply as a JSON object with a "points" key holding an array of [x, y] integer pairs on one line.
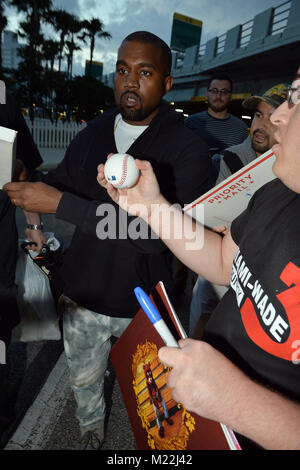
{"points": [[155, 317]]}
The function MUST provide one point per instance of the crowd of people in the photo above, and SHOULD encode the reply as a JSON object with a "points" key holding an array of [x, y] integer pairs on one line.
{"points": [[242, 371], [227, 162]]}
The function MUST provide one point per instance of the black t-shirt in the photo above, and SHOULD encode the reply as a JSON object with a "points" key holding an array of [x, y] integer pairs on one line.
{"points": [[257, 323]]}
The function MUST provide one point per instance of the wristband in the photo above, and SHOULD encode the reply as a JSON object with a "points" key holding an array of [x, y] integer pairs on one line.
{"points": [[35, 227]]}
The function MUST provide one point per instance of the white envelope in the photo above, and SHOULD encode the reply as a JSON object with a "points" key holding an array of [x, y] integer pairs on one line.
{"points": [[223, 203]]}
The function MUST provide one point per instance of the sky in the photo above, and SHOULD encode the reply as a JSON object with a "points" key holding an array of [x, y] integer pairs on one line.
{"points": [[122, 17]]}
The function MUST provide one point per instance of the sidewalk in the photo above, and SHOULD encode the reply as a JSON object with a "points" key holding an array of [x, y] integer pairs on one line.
{"points": [[52, 157], [50, 422]]}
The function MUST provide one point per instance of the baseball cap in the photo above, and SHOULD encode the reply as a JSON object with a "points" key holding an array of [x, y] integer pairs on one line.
{"points": [[275, 96]]}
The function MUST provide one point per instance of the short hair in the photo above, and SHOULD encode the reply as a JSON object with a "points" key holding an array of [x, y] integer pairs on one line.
{"points": [[220, 76], [150, 38]]}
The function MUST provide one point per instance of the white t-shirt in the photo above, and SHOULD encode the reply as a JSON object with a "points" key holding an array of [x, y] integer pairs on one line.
{"points": [[126, 134]]}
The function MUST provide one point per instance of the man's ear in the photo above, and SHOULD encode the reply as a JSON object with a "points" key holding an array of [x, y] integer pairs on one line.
{"points": [[168, 83]]}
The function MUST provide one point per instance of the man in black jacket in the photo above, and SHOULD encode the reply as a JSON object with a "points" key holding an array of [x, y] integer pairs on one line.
{"points": [[107, 258]]}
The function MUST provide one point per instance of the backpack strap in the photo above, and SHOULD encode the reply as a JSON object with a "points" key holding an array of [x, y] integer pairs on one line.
{"points": [[232, 160]]}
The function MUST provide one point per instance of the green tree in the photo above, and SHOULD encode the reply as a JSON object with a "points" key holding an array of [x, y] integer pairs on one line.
{"points": [[88, 96], [3, 24], [94, 29], [74, 28], [62, 22], [71, 48], [57, 86], [37, 12], [50, 50]]}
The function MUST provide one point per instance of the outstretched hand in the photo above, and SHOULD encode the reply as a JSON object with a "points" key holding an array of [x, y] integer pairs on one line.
{"points": [[138, 199]]}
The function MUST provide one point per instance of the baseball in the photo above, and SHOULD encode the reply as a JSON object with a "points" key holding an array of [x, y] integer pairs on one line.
{"points": [[120, 170]]}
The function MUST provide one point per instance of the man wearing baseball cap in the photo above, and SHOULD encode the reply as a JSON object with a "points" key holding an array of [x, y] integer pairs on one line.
{"points": [[275, 96], [261, 138], [261, 132]]}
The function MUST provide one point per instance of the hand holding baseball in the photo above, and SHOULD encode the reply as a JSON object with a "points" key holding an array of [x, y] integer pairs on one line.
{"points": [[121, 171], [138, 199]]}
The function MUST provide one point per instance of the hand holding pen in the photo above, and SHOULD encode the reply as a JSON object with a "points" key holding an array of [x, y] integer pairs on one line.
{"points": [[155, 318]]}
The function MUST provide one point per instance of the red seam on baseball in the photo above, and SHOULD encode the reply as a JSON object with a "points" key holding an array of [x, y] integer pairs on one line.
{"points": [[124, 171]]}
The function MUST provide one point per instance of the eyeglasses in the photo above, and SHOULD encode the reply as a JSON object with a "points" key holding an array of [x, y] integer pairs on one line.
{"points": [[293, 95], [215, 91]]}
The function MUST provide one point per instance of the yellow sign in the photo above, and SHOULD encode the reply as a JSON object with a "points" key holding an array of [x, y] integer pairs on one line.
{"points": [[235, 96], [187, 19], [94, 62], [186, 32]]}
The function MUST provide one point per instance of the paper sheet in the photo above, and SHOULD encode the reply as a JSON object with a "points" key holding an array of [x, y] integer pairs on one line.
{"points": [[7, 154]]}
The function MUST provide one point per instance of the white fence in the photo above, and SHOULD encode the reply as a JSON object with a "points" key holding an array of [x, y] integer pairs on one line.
{"points": [[57, 135]]}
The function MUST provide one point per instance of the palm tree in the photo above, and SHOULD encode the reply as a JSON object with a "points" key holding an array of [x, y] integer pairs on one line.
{"points": [[50, 50], [74, 29], [62, 22], [3, 24], [71, 47], [94, 29], [36, 11]]}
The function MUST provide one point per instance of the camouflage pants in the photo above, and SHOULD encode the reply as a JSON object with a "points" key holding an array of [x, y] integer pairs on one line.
{"points": [[87, 346]]}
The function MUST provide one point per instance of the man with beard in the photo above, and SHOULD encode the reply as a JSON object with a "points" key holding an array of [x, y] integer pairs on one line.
{"points": [[111, 254], [216, 126], [261, 132], [261, 138]]}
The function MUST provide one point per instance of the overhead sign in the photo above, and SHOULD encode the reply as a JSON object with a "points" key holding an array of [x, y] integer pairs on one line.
{"points": [[235, 96], [186, 32]]}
